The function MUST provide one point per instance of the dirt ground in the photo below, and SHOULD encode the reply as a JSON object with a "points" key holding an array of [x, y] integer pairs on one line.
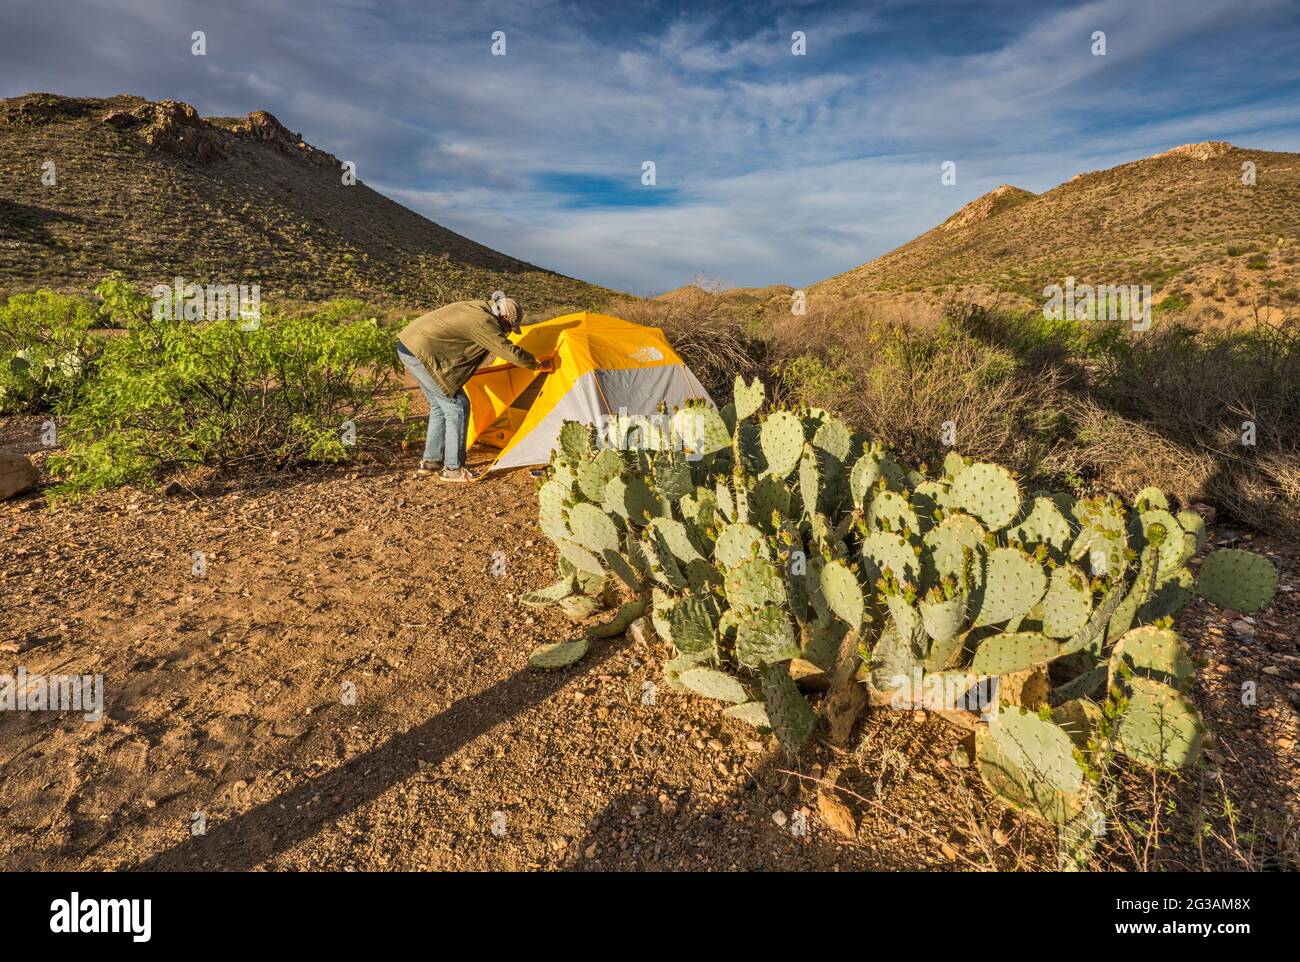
{"points": [[227, 706]]}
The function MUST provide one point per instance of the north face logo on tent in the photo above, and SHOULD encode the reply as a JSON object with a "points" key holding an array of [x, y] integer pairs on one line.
{"points": [[646, 354]]}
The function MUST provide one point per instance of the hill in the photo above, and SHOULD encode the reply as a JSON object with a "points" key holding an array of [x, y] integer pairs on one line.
{"points": [[1182, 221], [153, 190]]}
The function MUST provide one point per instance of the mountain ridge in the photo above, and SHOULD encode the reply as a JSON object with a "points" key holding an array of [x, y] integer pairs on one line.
{"points": [[153, 190], [1184, 221]]}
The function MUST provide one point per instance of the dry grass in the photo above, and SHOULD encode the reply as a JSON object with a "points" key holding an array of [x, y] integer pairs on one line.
{"points": [[1068, 405], [712, 338], [915, 388]]}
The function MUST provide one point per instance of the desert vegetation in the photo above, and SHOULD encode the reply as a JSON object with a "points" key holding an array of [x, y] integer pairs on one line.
{"points": [[1057, 552], [759, 545], [1205, 414]]}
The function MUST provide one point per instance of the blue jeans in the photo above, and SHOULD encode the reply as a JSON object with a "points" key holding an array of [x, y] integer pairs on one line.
{"points": [[448, 416]]}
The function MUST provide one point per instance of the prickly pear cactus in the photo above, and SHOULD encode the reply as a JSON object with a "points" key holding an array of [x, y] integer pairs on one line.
{"points": [[781, 537]]}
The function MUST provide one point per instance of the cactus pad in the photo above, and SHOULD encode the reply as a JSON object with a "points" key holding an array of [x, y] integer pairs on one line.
{"points": [[1193, 524], [834, 437], [700, 430], [713, 684], [561, 654], [1013, 583], [748, 399], [769, 495], [551, 594], [863, 477], [989, 492], [891, 511], [928, 499], [691, 626], [843, 594], [621, 622], [737, 543], [580, 557], [1013, 651], [632, 499], [895, 659], [596, 473], [676, 538], [1078, 718], [1102, 538], [1152, 653], [754, 584], [593, 529], [943, 620], [1240, 580], [947, 544], [782, 442], [1043, 525], [885, 551], [790, 715], [1029, 764], [1160, 727], [764, 637], [1170, 597], [576, 442], [1068, 602], [1151, 499], [751, 713]]}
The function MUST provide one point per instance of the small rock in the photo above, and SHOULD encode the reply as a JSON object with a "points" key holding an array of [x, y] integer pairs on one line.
{"points": [[835, 815], [17, 474], [641, 631]]}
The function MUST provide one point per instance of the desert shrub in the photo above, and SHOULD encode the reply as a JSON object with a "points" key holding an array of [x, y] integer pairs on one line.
{"points": [[1217, 408], [902, 384], [46, 349], [1174, 302], [119, 301], [172, 394], [715, 340]]}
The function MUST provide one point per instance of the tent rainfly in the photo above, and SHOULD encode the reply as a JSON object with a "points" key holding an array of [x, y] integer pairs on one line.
{"points": [[604, 367]]}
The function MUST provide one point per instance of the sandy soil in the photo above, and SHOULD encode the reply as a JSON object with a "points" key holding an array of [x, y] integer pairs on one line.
{"points": [[226, 703]]}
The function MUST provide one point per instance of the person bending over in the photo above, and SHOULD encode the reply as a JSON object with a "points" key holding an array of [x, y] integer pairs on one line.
{"points": [[442, 349]]}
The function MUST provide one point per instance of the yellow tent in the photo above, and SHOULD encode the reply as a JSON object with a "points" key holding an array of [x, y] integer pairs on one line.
{"points": [[603, 366]]}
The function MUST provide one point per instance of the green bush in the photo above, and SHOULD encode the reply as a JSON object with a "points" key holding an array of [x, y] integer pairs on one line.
{"points": [[174, 394], [46, 350]]}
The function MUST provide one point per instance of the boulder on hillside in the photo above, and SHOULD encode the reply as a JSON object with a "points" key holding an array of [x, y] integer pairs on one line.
{"points": [[263, 126], [17, 474], [171, 126]]}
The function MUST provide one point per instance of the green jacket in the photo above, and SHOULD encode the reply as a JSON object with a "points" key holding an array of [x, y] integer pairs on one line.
{"points": [[452, 342]]}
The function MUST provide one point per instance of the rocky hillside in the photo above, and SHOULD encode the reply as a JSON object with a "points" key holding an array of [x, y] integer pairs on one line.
{"points": [[1182, 221], [154, 190]]}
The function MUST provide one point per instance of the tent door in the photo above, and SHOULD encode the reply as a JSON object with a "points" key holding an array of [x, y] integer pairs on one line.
{"points": [[500, 431]]}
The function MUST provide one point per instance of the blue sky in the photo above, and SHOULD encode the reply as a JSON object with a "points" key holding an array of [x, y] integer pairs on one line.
{"points": [[769, 167]]}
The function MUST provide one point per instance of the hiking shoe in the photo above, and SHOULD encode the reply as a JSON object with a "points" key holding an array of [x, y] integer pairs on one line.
{"points": [[427, 468], [457, 475]]}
